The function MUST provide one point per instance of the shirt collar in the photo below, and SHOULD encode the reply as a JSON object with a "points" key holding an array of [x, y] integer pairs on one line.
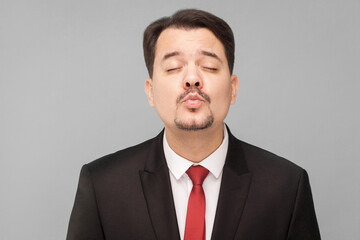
{"points": [[214, 162]]}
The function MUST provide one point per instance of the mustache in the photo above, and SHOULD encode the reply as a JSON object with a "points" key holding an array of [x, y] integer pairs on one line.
{"points": [[193, 90]]}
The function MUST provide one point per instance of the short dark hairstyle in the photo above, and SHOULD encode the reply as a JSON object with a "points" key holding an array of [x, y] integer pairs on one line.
{"points": [[188, 19]]}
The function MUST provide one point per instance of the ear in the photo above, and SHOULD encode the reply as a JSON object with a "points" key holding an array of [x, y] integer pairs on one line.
{"points": [[234, 88], [149, 91]]}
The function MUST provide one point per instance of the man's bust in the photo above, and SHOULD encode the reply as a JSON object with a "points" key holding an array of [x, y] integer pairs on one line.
{"points": [[153, 190]]}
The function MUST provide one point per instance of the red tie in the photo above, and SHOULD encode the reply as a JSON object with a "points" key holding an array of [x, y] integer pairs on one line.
{"points": [[195, 218]]}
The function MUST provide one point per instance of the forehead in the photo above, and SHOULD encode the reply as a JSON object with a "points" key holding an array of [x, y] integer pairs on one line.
{"points": [[188, 41]]}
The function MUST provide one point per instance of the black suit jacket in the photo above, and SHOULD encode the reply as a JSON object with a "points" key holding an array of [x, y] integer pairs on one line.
{"points": [[127, 195]]}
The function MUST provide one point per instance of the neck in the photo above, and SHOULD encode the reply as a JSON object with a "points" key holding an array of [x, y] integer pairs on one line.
{"points": [[195, 146]]}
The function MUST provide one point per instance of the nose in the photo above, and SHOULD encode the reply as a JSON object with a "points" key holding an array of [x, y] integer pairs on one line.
{"points": [[192, 79]]}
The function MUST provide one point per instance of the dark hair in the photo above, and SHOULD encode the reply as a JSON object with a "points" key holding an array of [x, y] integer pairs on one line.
{"points": [[188, 19]]}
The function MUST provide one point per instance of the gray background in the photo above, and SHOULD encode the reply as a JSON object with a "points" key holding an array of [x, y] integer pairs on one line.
{"points": [[72, 76]]}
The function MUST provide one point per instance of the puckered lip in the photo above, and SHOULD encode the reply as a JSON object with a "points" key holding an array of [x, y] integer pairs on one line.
{"points": [[193, 96]]}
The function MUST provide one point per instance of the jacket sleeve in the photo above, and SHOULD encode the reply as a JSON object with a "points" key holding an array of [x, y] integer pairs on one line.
{"points": [[303, 224], [84, 221]]}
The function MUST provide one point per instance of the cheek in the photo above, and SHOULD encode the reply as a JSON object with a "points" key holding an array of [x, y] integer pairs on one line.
{"points": [[221, 99], [164, 96], [222, 93]]}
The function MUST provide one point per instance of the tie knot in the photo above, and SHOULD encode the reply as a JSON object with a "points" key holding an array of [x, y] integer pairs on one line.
{"points": [[197, 174]]}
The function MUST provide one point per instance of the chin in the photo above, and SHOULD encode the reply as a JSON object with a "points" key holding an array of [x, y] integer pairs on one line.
{"points": [[194, 125]]}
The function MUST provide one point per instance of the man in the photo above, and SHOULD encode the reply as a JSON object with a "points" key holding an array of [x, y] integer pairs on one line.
{"points": [[195, 180]]}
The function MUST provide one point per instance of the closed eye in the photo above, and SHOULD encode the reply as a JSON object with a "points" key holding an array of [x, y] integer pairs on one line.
{"points": [[211, 69], [172, 69]]}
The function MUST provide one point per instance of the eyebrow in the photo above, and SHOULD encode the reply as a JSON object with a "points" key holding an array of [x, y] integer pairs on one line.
{"points": [[169, 55], [205, 53], [210, 54]]}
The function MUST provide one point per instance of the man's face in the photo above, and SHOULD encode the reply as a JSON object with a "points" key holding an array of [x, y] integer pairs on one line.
{"points": [[191, 87]]}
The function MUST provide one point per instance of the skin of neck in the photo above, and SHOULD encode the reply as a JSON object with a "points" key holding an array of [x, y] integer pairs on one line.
{"points": [[195, 146]]}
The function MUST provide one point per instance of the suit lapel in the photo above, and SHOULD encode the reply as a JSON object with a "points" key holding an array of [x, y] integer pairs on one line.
{"points": [[158, 194], [233, 192]]}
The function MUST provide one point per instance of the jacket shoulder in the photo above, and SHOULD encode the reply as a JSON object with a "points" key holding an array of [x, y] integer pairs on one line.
{"points": [[125, 160], [261, 160]]}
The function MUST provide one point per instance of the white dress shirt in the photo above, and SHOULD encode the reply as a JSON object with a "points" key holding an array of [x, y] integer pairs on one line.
{"points": [[181, 184]]}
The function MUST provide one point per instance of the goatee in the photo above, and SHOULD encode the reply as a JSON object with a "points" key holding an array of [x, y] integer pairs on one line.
{"points": [[193, 126]]}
